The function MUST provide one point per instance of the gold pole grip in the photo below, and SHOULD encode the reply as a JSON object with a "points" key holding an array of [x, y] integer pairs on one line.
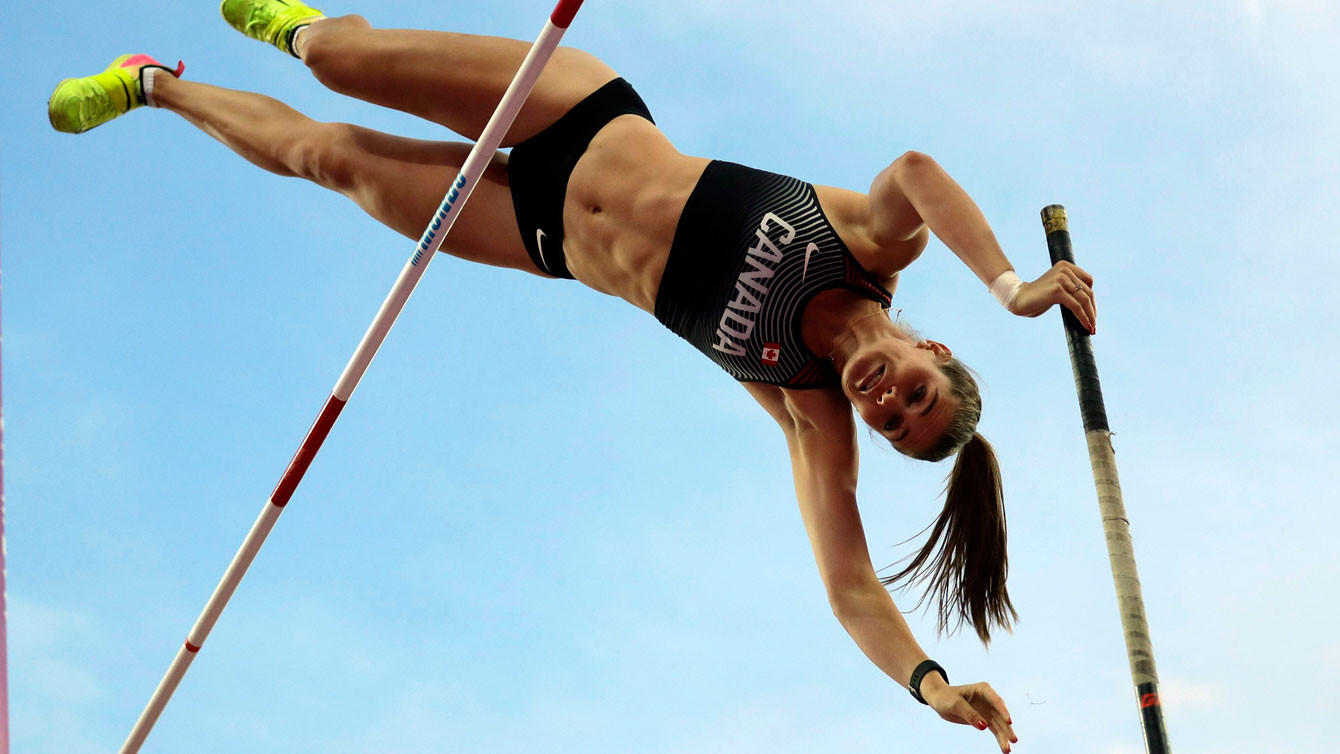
{"points": [[1054, 218]]}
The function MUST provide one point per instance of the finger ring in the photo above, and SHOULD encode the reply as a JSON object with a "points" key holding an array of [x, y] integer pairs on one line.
{"points": [[1078, 286]]}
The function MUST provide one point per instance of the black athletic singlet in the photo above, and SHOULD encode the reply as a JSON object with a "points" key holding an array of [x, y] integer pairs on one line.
{"points": [[751, 250]]}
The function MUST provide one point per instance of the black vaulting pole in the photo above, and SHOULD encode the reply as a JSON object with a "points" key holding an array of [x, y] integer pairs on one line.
{"points": [[1116, 527]]}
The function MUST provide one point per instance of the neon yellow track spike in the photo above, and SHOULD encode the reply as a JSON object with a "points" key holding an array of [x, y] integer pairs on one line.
{"points": [[272, 21], [78, 105]]}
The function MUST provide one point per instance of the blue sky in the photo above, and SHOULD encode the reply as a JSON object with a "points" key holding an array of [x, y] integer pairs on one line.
{"points": [[546, 524]]}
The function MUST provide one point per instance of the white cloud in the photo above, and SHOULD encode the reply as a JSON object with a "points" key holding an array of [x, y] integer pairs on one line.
{"points": [[411, 719], [39, 627], [776, 727], [1331, 656], [1185, 694], [54, 688], [1254, 10], [63, 681], [41, 636]]}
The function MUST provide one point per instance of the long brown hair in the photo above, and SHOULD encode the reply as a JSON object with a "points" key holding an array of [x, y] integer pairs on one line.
{"points": [[964, 562]]}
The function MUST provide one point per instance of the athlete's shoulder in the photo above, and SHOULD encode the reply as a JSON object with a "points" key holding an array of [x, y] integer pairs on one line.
{"points": [[849, 213], [799, 412], [821, 412], [851, 216]]}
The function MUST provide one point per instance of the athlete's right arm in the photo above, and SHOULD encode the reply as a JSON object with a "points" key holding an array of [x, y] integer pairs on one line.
{"points": [[915, 193]]}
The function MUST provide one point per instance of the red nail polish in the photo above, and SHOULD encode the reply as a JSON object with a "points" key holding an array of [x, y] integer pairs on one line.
{"points": [[981, 725]]}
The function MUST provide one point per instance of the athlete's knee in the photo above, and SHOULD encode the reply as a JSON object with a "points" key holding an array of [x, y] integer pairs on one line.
{"points": [[913, 161], [326, 44], [327, 154]]}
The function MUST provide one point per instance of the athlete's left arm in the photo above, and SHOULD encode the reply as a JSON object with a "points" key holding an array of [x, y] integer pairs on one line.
{"points": [[915, 193], [821, 437]]}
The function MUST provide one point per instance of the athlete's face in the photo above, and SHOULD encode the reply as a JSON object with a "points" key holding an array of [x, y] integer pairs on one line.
{"points": [[898, 389]]}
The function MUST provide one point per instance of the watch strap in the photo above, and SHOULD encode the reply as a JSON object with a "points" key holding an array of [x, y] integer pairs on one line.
{"points": [[914, 684]]}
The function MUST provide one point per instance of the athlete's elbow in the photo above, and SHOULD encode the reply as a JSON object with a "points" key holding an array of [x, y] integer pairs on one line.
{"points": [[845, 609], [850, 599], [841, 607]]}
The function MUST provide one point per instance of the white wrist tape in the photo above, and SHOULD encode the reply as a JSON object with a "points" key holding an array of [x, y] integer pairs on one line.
{"points": [[1006, 287]]}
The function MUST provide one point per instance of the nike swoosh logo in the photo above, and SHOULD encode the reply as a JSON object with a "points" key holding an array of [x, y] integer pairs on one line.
{"points": [[813, 247], [539, 244]]}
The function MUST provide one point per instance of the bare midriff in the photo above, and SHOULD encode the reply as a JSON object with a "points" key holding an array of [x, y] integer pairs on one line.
{"points": [[623, 203], [624, 200]]}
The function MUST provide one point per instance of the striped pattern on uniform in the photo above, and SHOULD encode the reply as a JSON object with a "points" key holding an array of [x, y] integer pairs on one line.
{"points": [[751, 251]]}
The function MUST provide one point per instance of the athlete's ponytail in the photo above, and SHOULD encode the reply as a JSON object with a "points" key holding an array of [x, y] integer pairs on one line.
{"points": [[964, 562]]}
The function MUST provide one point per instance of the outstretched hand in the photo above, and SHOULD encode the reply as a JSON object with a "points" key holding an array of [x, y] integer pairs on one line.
{"points": [[976, 704], [1063, 284]]}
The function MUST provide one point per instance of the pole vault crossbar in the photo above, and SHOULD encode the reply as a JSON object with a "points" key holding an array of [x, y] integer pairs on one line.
{"points": [[1116, 525], [429, 243]]}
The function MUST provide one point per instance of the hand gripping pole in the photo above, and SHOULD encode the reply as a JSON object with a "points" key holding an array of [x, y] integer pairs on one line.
{"points": [[1116, 526], [413, 270]]}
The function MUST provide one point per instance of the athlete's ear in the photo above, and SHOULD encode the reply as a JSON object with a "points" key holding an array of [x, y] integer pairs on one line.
{"points": [[941, 351]]}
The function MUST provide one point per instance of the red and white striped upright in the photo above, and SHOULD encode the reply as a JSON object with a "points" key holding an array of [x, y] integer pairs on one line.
{"points": [[413, 270]]}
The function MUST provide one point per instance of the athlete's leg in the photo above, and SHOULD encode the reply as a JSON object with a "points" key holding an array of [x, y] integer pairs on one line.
{"points": [[398, 181], [452, 79]]}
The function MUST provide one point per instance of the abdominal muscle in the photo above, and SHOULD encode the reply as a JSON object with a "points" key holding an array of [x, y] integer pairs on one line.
{"points": [[623, 203]]}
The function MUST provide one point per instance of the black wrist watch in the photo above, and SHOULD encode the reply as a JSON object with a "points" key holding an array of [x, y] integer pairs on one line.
{"points": [[914, 685]]}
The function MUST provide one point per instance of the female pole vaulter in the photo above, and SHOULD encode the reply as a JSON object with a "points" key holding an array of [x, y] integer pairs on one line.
{"points": [[784, 284]]}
